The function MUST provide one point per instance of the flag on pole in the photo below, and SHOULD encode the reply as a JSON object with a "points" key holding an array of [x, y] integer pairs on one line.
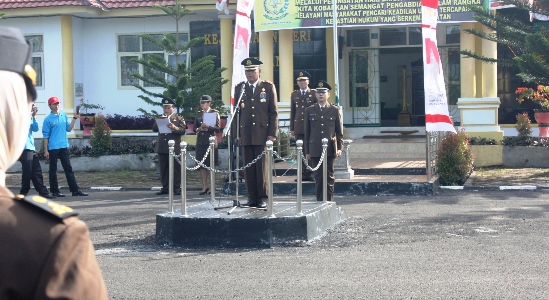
{"points": [[437, 117], [242, 35], [222, 5]]}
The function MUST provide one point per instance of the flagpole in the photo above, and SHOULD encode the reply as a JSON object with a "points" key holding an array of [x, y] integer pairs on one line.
{"points": [[336, 53]]}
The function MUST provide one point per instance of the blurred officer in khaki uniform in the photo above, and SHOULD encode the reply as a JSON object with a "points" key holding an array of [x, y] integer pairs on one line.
{"points": [[176, 126], [46, 252], [323, 121], [258, 111], [300, 100]]}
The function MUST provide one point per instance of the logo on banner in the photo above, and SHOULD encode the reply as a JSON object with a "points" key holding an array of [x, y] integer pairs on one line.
{"points": [[275, 10]]}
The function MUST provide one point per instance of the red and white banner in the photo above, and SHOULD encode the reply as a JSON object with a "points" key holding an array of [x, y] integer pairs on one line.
{"points": [[222, 5], [242, 35], [436, 103]]}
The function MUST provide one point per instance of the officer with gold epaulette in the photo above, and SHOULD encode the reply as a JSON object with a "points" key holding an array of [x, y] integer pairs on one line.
{"points": [[46, 251], [258, 115], [300, 100], [323, 120]]}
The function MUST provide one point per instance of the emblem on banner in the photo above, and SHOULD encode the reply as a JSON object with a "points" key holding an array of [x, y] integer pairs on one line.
{"points": [[275, 10]]}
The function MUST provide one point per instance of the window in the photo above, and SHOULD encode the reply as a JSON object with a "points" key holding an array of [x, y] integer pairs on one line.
{"points": [[452, 34], [37, 57], [132, 47], [392, 36], [358, 38], [400, 36], [415, 36]]}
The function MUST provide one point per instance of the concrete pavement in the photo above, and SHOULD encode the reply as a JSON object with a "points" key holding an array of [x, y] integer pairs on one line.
{"points": [[454, 245]]}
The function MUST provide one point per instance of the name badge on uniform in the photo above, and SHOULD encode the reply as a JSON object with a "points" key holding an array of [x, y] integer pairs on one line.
{"points": [[308, 99]]}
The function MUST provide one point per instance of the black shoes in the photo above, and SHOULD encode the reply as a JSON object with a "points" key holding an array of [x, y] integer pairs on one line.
{"points": [[48, 196], [249, 204], [57, 194], [177, 192], [262, 204], [161, 193], [204, 192], [79, 193]]}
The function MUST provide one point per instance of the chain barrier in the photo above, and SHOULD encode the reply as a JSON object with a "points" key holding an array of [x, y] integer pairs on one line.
{"points": [[294, 152], [201, 163], [304, 158]]}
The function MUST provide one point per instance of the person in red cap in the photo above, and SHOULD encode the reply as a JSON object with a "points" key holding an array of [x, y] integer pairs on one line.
{"points": [[46, 251], [56, 146]]}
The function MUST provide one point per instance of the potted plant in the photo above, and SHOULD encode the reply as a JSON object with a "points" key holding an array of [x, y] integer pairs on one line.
{"points": [[540, 96], [87, 120]]}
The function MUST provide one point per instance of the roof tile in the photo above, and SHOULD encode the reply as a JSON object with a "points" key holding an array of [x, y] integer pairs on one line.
{"points": [[109, 4]]}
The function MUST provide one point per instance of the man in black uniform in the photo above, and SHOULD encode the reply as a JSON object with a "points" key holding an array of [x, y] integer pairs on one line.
{"points": [[46, 251], [258, 111], [323, 121], [175, 129], [300, 100]]}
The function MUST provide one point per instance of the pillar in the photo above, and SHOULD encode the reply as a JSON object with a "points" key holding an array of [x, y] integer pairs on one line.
{"points": [[226, 32], [286, 68], [68, 65], [266, 54], [468, 75], [489, 71]]}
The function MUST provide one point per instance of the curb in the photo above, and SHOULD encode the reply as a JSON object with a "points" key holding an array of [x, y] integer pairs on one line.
{"points": [[495, 188]]}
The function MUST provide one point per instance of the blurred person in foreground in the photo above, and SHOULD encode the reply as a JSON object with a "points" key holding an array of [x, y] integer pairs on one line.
{"points": [[46, 251]]}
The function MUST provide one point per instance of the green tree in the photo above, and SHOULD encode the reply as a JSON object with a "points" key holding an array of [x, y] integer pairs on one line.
{"points": [[512, 28], [184, 84]]}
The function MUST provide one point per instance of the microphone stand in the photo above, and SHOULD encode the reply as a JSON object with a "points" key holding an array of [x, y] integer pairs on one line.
{"points": [[236, 112]]}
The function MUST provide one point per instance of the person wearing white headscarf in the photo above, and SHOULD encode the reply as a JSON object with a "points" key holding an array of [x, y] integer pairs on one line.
{"points": [[45, 250]]}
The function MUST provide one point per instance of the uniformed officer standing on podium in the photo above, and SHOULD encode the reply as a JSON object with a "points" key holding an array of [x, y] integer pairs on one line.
{"points": [[323, 121], [176, 128], [45, 250], [300, 100], [258, 111]]}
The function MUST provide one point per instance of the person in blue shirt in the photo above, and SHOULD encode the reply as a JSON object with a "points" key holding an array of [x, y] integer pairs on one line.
{"points": [[30, 165], [56, 146]]}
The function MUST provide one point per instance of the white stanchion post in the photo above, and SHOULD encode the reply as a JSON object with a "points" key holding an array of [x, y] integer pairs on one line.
{"points": [[183, 179], [171, 144], [299, 144], [325, 169], [269, 154], [212, 166]]}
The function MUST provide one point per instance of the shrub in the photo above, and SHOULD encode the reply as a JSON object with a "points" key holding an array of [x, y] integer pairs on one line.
{"points": [[100, 140], [454, 159], [482, 141], [119, 122], [523, 125]]}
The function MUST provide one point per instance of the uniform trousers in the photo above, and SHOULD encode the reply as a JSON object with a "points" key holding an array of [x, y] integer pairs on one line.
{"points": [[63, 155], [329, 182], [306, 173], [163, 160], [31, 171], [255, 175]]}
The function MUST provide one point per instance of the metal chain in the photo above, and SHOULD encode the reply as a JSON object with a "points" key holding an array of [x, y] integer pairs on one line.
{"points": [[201, 164], [304, 158], [287, 157]]}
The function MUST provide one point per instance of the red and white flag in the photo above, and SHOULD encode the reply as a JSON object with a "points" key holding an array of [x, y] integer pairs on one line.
{"points": [[437, 117], [242, 35], [222, 5]]}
